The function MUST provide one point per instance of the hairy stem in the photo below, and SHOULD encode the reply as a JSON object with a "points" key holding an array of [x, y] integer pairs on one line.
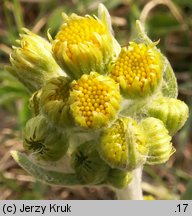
{"points": [[133, 191]]}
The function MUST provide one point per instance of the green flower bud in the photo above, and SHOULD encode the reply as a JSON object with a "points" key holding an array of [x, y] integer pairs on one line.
{"points": [[88, 165], [94, 100], [158, 141], [32, 62], [123, 145], [172, 112], [138, 70], [54, 102], [119, 178], [84, 44], [43, 141]]}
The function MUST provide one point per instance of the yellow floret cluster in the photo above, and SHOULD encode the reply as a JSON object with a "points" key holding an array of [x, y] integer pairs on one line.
{"points": [[123, 145], [114, 144], [77, 31], [95, 97], [139, 67]]}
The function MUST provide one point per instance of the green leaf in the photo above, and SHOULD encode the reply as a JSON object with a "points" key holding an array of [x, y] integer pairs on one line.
{"points": [[169, 88], [187, 195], [41, 174]]}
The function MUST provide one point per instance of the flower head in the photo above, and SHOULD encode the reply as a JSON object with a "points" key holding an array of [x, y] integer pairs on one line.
{"points": [[84, 44], [32, 62], [54, 102], [123, 145], [94, 100], [138, 70]]}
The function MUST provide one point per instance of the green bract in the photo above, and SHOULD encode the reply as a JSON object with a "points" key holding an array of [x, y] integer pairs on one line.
{"points": [[109, 112]]}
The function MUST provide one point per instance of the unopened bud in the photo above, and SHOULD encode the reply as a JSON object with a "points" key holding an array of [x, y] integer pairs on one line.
{"points": [[43, 141], [172, 112], [158, 141], [32, 62], [88, 165]]}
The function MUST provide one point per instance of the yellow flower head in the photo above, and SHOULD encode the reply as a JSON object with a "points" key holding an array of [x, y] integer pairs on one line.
{"points": [[123, 145], [83, 44], [138, 70], [94, 100]]}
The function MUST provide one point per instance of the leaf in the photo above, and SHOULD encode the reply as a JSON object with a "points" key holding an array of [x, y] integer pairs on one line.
{"points": [[41, 174], [187, 195], [169, 88]]}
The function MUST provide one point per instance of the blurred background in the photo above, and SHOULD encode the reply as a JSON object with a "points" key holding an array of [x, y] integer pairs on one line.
{"points": [[169, 20]]}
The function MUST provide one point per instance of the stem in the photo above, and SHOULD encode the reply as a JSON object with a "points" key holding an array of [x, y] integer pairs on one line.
{"points": [[133, 191]]}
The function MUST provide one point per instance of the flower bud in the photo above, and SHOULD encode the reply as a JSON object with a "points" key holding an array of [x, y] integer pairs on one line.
{"points": [[94, 100], [88, 165], [158, 141], [32, 62], [119, 178], [123, 145], [84, 44], [43, 141], [172, 112], [138, 70], [54, 102]]}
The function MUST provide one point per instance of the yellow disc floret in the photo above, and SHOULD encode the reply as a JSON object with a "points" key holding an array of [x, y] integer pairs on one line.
{"points": [[114, 145], [83, 44], [95, 100], [138, 70]]}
